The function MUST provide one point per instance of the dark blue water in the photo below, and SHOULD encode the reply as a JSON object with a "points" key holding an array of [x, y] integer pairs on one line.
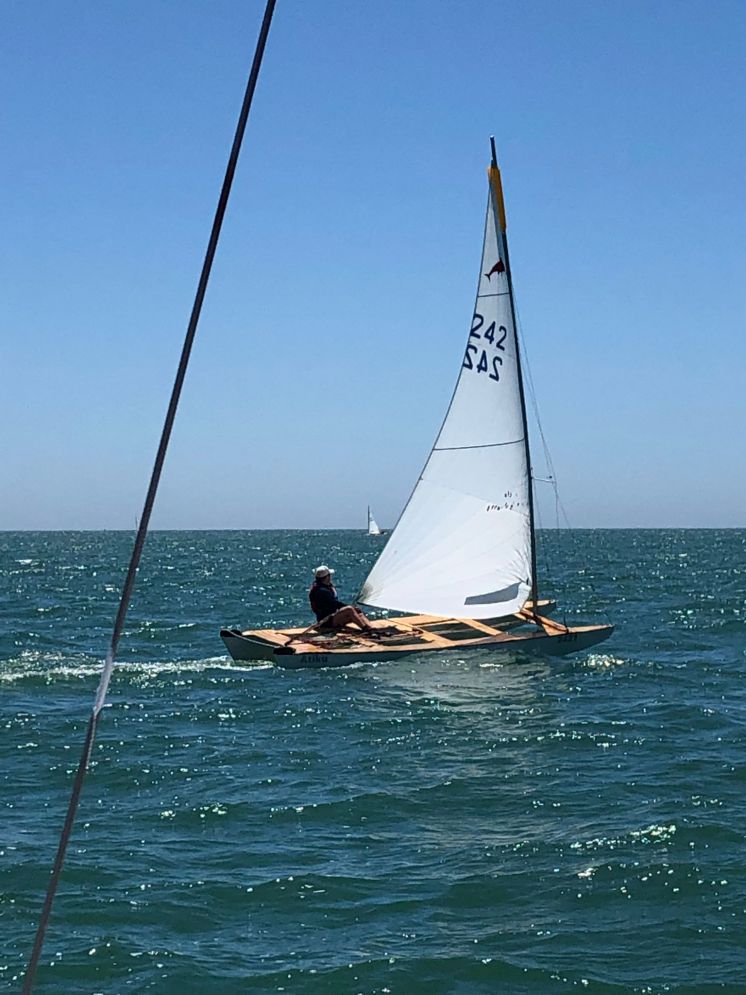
{"points": [[460, 824]]}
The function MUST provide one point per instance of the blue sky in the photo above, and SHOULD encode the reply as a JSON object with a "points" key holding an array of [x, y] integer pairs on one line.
{"points": [[341, 296]]}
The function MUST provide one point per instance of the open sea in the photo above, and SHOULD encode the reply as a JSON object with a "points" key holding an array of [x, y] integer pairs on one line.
{"points": [[460, 824]]}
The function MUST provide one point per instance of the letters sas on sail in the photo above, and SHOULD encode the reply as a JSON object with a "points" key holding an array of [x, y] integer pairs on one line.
{"points": [[476, 357]]}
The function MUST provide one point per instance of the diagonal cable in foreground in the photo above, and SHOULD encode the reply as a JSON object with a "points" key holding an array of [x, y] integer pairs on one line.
{"points": [[149, 501]]}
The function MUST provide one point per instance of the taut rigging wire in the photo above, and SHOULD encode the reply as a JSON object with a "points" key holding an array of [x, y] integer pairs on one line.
{"points": [[559, 507], [149, 501]]}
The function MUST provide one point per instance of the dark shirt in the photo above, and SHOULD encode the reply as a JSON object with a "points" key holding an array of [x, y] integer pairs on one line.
{"points": [[324, 600]]}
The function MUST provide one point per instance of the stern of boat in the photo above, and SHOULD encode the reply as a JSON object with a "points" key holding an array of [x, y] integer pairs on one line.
{"points": [[242, 647]]}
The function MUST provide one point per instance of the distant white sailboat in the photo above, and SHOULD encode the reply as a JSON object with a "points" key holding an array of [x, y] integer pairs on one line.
{"points": [[373, 529], [462, 558]]}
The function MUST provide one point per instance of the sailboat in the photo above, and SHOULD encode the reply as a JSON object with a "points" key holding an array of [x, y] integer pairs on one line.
{"points": [[460, 565], [373, 529]]}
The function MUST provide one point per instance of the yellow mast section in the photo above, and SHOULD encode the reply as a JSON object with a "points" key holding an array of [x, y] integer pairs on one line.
{"points": [[493, 173]]}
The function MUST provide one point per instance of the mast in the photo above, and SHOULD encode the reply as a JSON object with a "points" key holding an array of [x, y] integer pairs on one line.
{"points": [[496, 184]]}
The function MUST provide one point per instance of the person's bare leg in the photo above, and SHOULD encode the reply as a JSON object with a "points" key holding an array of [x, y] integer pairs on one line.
{"points": [[350, 615], [361, 620]]}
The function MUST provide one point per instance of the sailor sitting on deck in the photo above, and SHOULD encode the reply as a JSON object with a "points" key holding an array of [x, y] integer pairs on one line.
{"points": [[327, 607]]}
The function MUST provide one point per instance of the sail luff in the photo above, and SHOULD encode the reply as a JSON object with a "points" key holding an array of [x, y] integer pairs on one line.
{"points": [[502, 229]]}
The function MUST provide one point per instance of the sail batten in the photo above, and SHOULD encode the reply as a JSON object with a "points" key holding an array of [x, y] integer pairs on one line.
{"points": [[483, 445], [464, 543]]}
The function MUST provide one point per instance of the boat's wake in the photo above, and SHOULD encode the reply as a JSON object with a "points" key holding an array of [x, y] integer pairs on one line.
{"points": [[38, 666]]}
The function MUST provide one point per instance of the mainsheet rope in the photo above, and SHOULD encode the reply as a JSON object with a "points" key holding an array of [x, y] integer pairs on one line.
{"points": [[149, 501]]}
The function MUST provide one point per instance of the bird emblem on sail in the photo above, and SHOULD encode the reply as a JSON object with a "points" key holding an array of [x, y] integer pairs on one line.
{"points": [[499, 267]]}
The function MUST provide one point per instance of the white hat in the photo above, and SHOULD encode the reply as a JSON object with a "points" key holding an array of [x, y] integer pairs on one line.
{"points": [[322, 571]]}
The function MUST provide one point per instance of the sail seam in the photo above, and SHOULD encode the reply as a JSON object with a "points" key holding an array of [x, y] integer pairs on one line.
{"points": [[486, 445], [501, 293]]}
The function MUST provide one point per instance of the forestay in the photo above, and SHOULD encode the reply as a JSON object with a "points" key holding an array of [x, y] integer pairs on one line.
{"points": [[462, 547]]}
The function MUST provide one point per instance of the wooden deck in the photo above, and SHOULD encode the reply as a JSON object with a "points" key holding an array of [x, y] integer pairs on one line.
{"points": [[406, 635]]}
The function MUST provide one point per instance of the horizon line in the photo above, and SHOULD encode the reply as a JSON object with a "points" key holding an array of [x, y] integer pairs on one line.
{"points": [[362, 531]]}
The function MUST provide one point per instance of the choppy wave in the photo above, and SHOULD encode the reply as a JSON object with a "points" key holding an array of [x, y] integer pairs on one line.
{"points": [[453, 824]]}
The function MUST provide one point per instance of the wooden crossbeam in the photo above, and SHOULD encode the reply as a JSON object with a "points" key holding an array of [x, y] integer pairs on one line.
{"points": [[547, 624]]}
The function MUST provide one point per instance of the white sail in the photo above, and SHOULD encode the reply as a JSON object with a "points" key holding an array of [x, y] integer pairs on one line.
{"points": [[373, 529], [462, 547]]}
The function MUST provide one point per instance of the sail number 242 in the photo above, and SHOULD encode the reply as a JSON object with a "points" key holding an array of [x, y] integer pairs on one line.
{"points": [[476, 357]]}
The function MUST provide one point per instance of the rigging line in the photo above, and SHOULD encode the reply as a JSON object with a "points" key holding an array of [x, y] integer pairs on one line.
{"points": [[537, 416], [558, 536], [532, 392], [149, 501], [547, 456], [541, 543], [549, 543], [559, 506]]}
